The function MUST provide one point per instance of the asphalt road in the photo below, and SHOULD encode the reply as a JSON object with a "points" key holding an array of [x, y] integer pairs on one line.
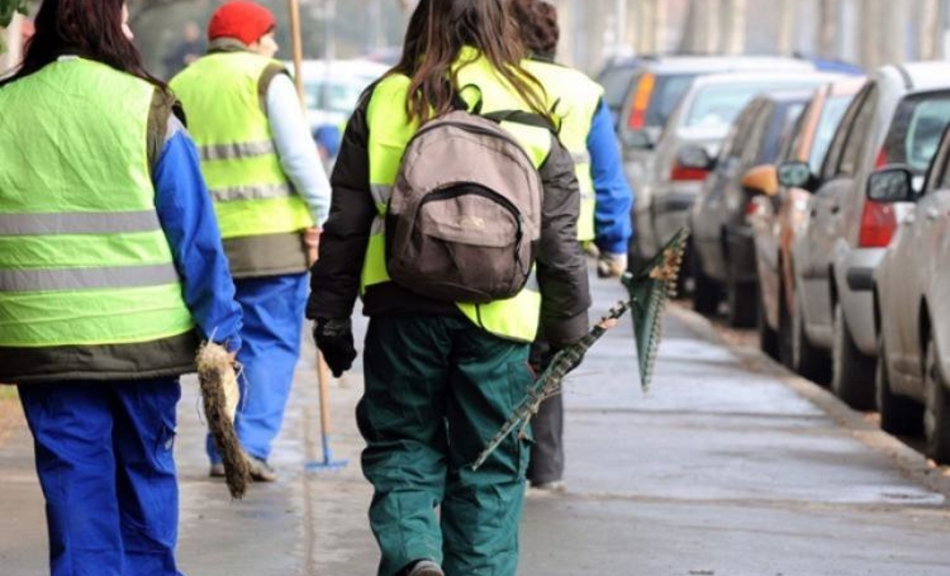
{"points": [[729, 466]]}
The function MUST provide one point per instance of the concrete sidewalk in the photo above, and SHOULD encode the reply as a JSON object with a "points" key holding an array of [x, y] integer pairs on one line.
{"points": [[720, 470]]}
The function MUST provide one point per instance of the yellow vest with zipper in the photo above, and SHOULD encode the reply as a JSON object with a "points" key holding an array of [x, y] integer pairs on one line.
{"points": [[260, 214], [516, 318]]}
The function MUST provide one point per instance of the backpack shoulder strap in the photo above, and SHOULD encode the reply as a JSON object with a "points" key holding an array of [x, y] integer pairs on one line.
{"points": [[522, 117]]}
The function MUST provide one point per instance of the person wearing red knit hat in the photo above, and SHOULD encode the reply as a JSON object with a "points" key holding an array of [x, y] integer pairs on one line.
{"points": [[270, 194]]}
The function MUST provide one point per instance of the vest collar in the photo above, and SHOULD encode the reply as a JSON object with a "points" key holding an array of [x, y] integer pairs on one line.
{"points": [[227, 45]]}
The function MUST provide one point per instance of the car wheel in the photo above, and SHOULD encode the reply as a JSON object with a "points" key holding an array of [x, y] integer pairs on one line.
{"points": [[768, 338], [706, 291], [852, 373], [937, 410], [899, 414], [742, 299], [805, 359]]}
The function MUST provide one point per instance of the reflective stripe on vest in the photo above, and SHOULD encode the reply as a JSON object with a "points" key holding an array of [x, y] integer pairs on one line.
{"points": [[389, 134], [577, 98], [252, 195], [83, 258]]}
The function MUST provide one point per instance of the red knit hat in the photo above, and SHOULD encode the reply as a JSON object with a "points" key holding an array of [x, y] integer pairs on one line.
{"points": [[243, 20]]}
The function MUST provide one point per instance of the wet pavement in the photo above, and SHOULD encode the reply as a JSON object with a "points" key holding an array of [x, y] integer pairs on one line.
{"points": [[728, 466]]}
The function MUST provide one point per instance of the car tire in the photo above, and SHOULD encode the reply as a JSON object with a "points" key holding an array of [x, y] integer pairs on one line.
{"points": [[900, 415], [805, 358], [742, 299], [852, 373], [706, 291], [937, 408], [768, 338]]}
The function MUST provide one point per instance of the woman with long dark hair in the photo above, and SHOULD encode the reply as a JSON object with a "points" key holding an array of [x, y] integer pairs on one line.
{"points": [[442, 375], [111, 271]]}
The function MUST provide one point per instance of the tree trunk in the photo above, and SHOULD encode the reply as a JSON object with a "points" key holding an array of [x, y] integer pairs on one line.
{"points": [[828, 28], [734, 39], [931, 26], [786, 27]]}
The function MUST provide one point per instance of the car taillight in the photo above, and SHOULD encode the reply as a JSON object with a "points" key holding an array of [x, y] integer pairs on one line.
{"points": [[641, 101], [681, 173], [881, 160], [878, 224]]}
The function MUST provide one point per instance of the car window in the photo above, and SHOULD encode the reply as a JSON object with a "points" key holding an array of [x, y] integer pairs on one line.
{"points": [[720, 104], [781, 120], [858, 135], [739, 132], [830, 165], [751, 143], [939, 174], [915, 132], [793, 143], [831, 114], [617, 83], [667, 93]]}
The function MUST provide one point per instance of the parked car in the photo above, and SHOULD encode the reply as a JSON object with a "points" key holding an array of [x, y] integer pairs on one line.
{"points": [[644, 95], [896, 118], [722, 240], [778, 221], [331, 92], [912, 305]]}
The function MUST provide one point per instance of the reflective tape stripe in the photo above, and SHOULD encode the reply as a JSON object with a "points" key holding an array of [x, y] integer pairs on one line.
{"points": [[381, 193], [581, 157], [87, 278], [254, 192], [236, 151], [78, 223]]}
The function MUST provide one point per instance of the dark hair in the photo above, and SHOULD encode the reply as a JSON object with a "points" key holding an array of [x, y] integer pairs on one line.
{"points": [[537, 20], [438, 30], [88, 28]]}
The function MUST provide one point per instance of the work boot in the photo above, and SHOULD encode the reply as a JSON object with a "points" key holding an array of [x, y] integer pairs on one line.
{"points": [[261, 470], [217, 471], [555, 487], [425, 568]]}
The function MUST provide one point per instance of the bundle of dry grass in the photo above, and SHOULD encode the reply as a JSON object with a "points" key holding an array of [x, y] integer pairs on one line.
{"points": [[220, 395]]}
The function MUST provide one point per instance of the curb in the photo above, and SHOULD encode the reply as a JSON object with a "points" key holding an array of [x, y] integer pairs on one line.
{"points": [[911, 463]]}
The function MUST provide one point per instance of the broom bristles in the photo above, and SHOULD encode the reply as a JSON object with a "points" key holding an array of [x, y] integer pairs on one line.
{"points": [[220, 395]]}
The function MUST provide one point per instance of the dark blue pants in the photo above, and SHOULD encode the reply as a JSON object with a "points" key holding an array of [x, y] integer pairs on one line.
{"points": [[273, 318], [105, 463]]}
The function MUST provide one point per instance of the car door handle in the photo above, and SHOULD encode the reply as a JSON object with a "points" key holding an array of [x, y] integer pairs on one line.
{"points": [[835, 209]]}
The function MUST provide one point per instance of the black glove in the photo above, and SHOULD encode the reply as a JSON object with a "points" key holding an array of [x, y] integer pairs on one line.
{"points": [[335, 339]]}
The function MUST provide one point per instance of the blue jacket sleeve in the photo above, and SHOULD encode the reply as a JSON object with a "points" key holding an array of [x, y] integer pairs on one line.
{"points": [[614, 196], [187, 216]]}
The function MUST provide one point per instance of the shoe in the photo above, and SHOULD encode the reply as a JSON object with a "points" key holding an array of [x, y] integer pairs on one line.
{"points": [[425, 568], [217, 471], [260, 470], [553, 487]]}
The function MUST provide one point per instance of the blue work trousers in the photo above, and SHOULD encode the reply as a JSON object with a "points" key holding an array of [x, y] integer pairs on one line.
{"points": [[105, 463], [273, 318]]}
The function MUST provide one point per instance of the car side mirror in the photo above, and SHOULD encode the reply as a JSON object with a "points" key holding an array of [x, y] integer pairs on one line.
{"points": [[795, 175], [889, 185], [695, 157], [761, 180]]}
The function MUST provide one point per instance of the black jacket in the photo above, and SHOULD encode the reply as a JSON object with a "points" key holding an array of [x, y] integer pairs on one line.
{"points": [[335, 283]]}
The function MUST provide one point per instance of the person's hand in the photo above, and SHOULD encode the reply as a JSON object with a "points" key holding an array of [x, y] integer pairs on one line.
{"points": [[610, 265], [334, 338], [311, 239]]}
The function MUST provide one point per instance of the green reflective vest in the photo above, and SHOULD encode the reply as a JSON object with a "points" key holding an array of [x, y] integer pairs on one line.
{"points": [[259, 213], [88, 286], [516, 318], [575, 100]]}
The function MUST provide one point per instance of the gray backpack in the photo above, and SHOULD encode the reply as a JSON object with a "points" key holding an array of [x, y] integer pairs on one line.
{"points": [[465, 210]]}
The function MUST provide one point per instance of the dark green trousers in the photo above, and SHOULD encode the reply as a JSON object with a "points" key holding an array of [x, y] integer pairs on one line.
{"points": [[437, 389]]}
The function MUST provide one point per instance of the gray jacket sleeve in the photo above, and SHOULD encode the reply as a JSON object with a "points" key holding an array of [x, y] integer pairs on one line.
{"points": [[562, 268]]}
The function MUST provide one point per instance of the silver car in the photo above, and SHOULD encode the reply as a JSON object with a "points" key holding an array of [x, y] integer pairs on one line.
{"points": [[643, 94], [912, 306], [897, 117], [686, 151]]}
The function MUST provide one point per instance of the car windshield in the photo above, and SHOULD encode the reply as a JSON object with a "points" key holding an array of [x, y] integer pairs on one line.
{"points": [[667, 94], [616, 83], [719, 105], [831, 115], [916, 130]]}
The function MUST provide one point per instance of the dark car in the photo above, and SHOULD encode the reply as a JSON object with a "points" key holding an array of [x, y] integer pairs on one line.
{"points": [[723, 241]]}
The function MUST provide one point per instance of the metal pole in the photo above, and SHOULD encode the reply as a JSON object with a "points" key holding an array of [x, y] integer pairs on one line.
{"points": [[621, 27]]}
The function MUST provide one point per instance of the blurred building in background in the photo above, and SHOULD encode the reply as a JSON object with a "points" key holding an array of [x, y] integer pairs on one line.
{"points": [[865, 32]]}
